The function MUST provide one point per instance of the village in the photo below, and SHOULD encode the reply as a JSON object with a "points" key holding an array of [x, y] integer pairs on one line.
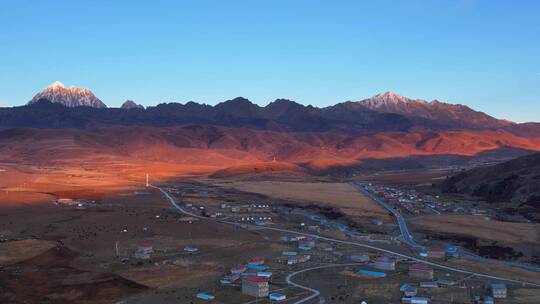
{"points": [[265, 277], [268, 277], [293, 246]]}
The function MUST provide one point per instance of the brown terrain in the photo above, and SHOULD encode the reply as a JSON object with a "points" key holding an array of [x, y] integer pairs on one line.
{"points": [[219, 146], [516, 181], [42, 163], [284, 153]]}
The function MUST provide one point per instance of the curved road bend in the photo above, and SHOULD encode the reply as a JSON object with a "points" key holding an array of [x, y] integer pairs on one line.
{"points": [[173, 202], [315, 292]]}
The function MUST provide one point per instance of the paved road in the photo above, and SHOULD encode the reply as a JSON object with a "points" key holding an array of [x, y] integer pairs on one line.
{"points": [[315, 293], [173, 202], [405, 235], [407, 238]]}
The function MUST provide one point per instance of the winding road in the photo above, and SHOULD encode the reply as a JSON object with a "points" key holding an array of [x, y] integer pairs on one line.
{"points": [[405, 236], [315, 292]]}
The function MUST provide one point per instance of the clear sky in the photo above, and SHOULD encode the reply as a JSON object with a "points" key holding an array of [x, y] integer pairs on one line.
{"points": [[483, 53]]}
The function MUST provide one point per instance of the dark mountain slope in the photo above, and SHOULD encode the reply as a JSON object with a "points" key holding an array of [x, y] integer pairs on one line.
{"points": [[60, 107], [516, 181]]}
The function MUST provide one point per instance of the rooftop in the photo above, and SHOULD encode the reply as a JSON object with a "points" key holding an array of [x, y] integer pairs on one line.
{"points": [[255, 279]]}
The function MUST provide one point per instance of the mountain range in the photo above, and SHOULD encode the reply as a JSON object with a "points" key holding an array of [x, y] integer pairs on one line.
{"points": [[65, 125], [61, 107]]}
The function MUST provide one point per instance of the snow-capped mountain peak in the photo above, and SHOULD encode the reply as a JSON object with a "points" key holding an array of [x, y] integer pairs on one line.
{"points": [[56, 84], [69, 97], [389, 99]]}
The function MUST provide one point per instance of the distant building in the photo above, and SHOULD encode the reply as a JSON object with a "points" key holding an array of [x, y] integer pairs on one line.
{"points": [[372, 274], [314, 228], [295, 259], [377, 222], [452, 251], [436, 253], [306, 244], [188, 219], [229, 279], [205, 296], [422, 271], [431, 284], [66, 201], [191, 249], [140, 255], [145, 248], [499, 291], [446, 283], [143, 251], [256, 267], [484, 300], [359, 258], [238, 269], [255, 286], [415, 300], [408, 290], [384, 263], [277, 297], [256, 261]]}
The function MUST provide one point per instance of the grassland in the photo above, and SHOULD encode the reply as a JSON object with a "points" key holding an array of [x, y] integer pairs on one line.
{"points": [[497, 269], [339, 195], [479, 227], [14, 252]]}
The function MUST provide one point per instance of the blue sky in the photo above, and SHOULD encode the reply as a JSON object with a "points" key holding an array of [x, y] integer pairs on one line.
{"points": [[485, 54]]}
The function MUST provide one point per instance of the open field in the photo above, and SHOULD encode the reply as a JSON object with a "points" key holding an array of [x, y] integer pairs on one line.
{"points": [[478, 227], [496, 268], [14, 252], [526, 295], [92, 237], [339, 195], [88, 260], [51, 278], [406, 177], [170, 276]]}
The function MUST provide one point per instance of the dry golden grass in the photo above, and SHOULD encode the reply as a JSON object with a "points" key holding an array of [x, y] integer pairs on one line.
{"points": [[14, 252], [497, 269], [338, 195], [526, 295], [169, 276], [376, 290], [478, 227]]}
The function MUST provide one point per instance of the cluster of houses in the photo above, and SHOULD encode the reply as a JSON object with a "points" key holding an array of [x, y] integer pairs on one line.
{"points": [[254, 277], [257, 213], [497, 291], [145, 249], [410, 200], [417, 203], [292, 258], [422, 271], [426, 272], [304, 243]]}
